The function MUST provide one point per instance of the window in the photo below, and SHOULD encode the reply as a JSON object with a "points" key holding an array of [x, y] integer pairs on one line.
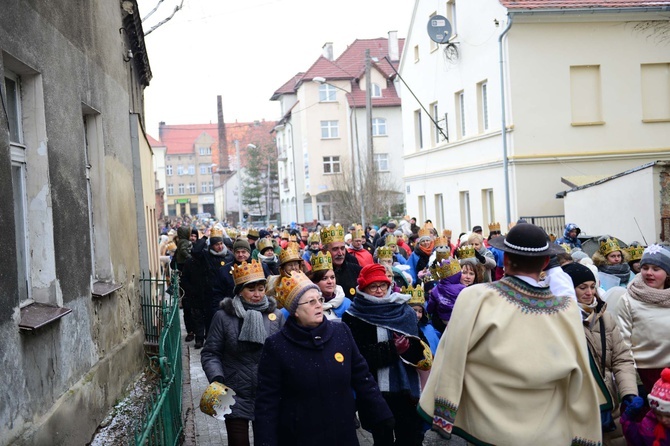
{"points": [[191, 188], [191, 169], [203, 187], [451, 16], [205, 150], [211, 186], [381, 162], [180, 189], [487, 206], [180, 170], [378, 126], [422, 208], [205, 169], [376, 91], [331, 164], [655, 79], [460, 113], [327, 93], [483, 106], [435, 134], [465, 209], [439, 211], [418, 136], [585, 96], [324, 208], [416, 53], [433, 44], [329, 130], [170, 189], [168, 170]]}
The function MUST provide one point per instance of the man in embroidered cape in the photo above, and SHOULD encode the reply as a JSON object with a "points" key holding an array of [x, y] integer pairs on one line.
{"points": [[513, 366]]}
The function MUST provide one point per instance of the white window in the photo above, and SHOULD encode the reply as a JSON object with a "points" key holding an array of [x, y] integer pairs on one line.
{"points": [[191, 169], [488, 208], [451, 16], [378, 126], [465, 209], [205, 150], [327, 93], [436, 130], [180, 170], [180, 189], [211, 186], [170, 189], [203, 187], [331, 164], [191, 188], [376, 91], [433, 44], [168, 170], [329, 130], [416, 53], [439, 211], [203, 169], [418, 136], [381, 162], [460, 113], [483, 106]]}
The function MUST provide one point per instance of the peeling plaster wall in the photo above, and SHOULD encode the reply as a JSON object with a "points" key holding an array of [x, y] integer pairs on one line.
{"points": [[59, 381]]}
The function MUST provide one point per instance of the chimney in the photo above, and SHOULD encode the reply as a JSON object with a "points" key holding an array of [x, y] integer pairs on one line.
{"points": [[160, 130], [393, 46], [328, 50], [223, 142]]}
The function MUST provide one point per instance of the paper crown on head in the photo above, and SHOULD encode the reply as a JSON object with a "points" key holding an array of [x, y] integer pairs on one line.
{"points": [[248, 272], [289, 255], [608, 245], [428, 226], [321, 262], [494, 227], [232, 233], [216, 232], [284, 235], [445, 268], [291, 288], [314, 238], [293, 245], [417, 295], [384, 253], [358, 233], [566, 247], [634, 251], [425, 232], [264, 244], [442, 241], [466, 252], [171, 246], [390, 240], [253, 233], [293, 238], [446, 233], [332, 234]]}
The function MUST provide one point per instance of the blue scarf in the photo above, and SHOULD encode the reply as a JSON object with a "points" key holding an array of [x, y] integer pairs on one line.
{"points": [[390, 311]]}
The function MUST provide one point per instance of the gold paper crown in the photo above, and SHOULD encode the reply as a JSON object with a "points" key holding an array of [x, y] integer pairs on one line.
{"points": [[321, 262], [216, 232], [428, 226], [332, 234], [466, 252], [635, 252], [248, 272], [253, 232], [358, 233], [425, 232], [608, 246], [264, 243], [289, 287], [171, 246], [384, 252], [446, 233], [417, 294], [289, 255], [494, 227], [442, 241], [284, 235], [293, 245], [391, 240], [314, 238], [566, 247], [293, 238], [445, 268]]}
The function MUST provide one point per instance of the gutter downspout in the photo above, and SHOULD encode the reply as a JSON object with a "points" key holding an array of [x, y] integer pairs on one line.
{"points": [[504, 122]]}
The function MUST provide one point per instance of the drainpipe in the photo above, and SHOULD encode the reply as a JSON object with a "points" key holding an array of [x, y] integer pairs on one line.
{"points": [[504, 122]]}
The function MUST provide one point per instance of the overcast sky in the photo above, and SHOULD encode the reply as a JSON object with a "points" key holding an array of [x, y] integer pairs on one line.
{"points": [[244, 50]]}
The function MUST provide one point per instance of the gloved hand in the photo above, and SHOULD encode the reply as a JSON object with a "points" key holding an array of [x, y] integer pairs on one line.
{"points": [[634, 407], [626, 401], [401, 343], [480, 257], [218, 379]]}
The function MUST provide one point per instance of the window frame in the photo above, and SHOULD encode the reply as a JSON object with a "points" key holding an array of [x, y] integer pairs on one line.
{"points": [[168, 170], [375, 91], [379, 127], [379, 159], [330, 129], [170, 189], [334, 163], [327, 93]]}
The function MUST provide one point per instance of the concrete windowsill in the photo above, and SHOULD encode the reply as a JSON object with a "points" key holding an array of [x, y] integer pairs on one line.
{"points": [[38, 315]]}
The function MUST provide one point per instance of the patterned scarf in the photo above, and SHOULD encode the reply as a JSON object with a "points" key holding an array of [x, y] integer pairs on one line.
{"points": [[621, 270], [390, 311], [253, 329], [642, 292]]}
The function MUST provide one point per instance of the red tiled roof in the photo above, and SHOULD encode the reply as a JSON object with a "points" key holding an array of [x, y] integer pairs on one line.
{"points": [[180, 139], [581, 4], [352, 60], [288, 87], [327, 69], [153, 142]]}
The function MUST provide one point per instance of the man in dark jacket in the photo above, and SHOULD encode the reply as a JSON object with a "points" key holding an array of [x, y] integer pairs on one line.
{"points": [[345, 266]]}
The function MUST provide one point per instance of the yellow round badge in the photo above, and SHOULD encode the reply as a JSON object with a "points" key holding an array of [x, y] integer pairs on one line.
{"points": [[272, 316], [339, 357], [352, 291], [223, 263]]}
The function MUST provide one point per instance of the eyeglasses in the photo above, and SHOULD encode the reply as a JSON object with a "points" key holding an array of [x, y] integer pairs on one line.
{"points": [[378, 286], [312, 302]]}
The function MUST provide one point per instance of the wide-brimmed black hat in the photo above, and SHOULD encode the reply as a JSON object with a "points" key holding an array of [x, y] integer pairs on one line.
{"points": [[526, 239]]}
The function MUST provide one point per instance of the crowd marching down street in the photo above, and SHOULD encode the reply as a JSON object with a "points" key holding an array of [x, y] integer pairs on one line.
{"points": [[522, 338]]}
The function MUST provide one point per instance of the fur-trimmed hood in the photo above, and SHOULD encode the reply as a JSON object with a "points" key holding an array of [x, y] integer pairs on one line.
{"points": [[227, 305]]}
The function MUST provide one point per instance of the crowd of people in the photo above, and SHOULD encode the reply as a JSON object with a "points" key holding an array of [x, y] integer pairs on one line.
{"points": [[509, 339]]}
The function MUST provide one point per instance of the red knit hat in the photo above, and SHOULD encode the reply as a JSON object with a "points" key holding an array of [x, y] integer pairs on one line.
{"points": [[371, 274], [659, 398]]}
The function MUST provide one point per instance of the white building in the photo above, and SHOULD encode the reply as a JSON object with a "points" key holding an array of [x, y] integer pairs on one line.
{"points": [[586, 92]]}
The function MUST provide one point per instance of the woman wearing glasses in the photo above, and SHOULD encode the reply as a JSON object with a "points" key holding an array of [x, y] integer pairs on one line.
{"points": [[387, 335], [313, 364]]}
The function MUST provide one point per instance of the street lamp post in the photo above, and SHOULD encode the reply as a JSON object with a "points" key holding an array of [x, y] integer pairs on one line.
{"points": [[321, 80]]}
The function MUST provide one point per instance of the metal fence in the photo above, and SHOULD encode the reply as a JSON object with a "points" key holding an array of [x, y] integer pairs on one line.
{"points": [[160, 422], [552, 224]]}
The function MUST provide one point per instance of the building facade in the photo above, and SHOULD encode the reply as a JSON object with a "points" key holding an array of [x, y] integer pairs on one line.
{"points": [[537, 90]]}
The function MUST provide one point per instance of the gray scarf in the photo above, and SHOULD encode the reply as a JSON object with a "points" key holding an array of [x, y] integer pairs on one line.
{"points": [[253, 329]]}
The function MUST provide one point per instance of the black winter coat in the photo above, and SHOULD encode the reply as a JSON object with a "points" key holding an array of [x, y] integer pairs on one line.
{"points": [[236, 362], [347, 277], [208, 274], [306, 385]]}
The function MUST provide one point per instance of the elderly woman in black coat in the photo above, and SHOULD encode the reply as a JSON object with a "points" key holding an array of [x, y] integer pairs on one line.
{"points": [[308, 375], [235, 342]]}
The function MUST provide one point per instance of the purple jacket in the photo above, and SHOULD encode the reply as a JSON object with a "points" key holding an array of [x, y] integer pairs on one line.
{"points": [[443, 296], [642, 433]]}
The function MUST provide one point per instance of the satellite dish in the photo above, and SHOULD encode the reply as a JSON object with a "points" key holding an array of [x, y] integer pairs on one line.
{"points": [[439, 29]]}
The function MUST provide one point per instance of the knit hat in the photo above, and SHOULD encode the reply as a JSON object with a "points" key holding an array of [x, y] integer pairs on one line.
{"points": [[577, 255], [659, 398], [656, 255], [371, 274], [195, 231], [241, 244], [579, 273], [263, 233]]}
